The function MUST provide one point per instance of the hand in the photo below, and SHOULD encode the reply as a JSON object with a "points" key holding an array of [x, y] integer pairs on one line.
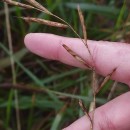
{"points": [[115, 115]]}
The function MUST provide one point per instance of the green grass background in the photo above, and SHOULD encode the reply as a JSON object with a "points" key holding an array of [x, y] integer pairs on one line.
{"points": [[57, 105]]}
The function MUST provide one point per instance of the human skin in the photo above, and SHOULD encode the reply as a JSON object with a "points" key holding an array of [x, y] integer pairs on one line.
{"points": [[114, 115]]}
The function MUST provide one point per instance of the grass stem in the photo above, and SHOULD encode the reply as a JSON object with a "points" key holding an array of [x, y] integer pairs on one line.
{"points": [[9, 37]]}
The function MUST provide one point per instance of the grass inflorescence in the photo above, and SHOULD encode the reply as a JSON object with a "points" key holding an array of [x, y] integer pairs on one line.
{"points": [[38, 92]]}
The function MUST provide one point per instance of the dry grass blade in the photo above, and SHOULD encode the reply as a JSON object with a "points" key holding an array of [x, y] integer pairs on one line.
{"points": [[105, 81], [39, 6], [76, 56], [9, 36], [19, 4], [45, 22], [85, 111]]}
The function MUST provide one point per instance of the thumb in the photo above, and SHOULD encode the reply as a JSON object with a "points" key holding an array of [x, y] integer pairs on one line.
{"points": [[111, 116]]}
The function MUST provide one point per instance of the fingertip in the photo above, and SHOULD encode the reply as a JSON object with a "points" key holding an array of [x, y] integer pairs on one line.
{"points": [[42, 44], [33, 39], [27, 40], [33, 42]]}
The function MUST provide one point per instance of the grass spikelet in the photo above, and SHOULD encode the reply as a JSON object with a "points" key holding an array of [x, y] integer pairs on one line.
{"points": [[19, 4], [43, 21], [39, 6], [84, 109], [81, 17], [105, 81], [76, 56]]}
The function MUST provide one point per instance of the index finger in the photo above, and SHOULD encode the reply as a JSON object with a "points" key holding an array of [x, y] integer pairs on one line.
{"points": [[106, 55]]}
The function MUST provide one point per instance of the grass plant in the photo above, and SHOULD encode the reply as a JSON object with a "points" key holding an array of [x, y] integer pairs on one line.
{"points": [[38, 92]]}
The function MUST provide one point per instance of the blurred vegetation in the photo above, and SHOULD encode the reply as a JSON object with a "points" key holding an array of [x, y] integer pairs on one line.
{"points": [[47, 91]]}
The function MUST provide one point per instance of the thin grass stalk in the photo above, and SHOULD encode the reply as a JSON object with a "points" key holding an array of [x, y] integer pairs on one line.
{"points": [[30, 118], [112, 90], [12, 63], [37, 89], [84, 109], [93, 111], [93, 103]]}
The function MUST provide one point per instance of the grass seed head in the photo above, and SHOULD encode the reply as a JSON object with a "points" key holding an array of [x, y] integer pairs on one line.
{"points": [[39, 6], [81, 17], [19, 4], [76, 56], [106, 79], [45, 22]]}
